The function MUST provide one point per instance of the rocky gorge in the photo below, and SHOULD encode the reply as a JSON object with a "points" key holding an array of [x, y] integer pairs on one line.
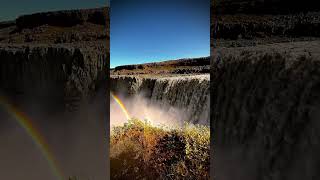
{"points": [[264, 90], [61, 63], [265, 111], [54, 68]]}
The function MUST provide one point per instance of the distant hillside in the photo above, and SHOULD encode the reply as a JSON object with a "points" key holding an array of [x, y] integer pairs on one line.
{"points": [[58, 27], [242, 23], [180, 66], [64, 18], [5, 24], [264, 6]]}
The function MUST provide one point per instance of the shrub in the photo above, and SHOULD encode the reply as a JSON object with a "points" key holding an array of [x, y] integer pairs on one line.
{"points": [[142, 151]]}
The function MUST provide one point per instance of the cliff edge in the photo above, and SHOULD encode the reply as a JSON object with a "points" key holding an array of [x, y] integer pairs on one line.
{"points": [[55, 57]]}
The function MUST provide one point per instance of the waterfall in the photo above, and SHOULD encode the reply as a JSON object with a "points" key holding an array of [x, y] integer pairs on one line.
{"points": [[189, 94]]}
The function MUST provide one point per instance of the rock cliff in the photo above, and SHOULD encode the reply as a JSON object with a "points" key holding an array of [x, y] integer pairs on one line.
{"points": [[53, 72], [265, 89], [61, 73], [58, 57], [265, 110]]}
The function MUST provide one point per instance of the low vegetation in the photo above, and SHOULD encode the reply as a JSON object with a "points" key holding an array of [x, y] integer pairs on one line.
{"points": [[142, 151]]}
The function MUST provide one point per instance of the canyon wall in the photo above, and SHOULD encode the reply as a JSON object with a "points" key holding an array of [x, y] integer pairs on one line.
{"points": [[265, 110], [57, 58], [190, 94], [55, 73], [54, 68]]}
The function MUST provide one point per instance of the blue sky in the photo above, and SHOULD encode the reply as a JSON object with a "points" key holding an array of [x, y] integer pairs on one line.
{"points": [[145, 32], [10, 9]]}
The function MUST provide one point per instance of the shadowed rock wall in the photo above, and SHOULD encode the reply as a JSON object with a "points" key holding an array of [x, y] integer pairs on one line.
{"points": [[265, 112], [61, 74]]}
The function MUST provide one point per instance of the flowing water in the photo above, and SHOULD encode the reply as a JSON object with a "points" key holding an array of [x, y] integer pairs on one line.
{"points": [[183, 98]]}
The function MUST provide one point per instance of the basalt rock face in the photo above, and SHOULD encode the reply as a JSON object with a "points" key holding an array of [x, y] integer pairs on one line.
{"points": [[187, 93], [58, 74], [265, 111]]}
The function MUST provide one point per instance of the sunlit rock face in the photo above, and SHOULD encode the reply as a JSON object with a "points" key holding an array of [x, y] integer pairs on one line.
{"points": [[188, 94]]}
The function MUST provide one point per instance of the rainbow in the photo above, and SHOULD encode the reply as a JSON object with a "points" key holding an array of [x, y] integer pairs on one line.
{"points": [[37, 138], [121, 105]]}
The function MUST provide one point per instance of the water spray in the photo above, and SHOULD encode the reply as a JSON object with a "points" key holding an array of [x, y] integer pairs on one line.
{"points": [[121, 105]]}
